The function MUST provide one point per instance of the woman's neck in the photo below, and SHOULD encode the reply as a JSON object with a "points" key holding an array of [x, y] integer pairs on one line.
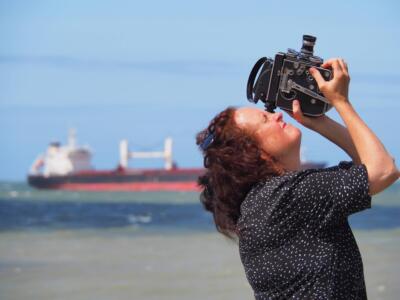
{"points": [[291, 162]]}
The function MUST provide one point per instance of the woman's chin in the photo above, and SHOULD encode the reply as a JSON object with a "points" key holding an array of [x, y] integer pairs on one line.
{"points": [[297, 133], [292, 128]]}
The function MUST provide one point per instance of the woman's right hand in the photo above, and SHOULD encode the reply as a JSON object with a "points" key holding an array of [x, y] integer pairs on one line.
{"points": [[335, 90]]}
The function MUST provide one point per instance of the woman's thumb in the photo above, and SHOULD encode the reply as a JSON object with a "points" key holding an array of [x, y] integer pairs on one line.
{"points": [[297, 113]]}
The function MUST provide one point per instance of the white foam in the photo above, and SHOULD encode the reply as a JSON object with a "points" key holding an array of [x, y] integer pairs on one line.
{"points": [[139, 219], [13, 194]]}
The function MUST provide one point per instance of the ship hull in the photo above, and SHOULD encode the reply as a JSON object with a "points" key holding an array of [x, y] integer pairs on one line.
{"points": [[128, 180], [148, 180]]}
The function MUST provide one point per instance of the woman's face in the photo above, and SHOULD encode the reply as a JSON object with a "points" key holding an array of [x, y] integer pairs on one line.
{"points": [[276, 137]]}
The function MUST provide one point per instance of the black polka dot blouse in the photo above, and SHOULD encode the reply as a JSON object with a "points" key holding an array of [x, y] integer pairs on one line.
{"points": [[295, 241]]}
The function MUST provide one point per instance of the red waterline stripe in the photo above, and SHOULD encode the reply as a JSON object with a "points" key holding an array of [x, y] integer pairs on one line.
{"points": [[129, 186]]}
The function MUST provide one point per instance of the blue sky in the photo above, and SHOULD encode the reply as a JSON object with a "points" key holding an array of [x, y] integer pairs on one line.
{"points": [[145, 70]]}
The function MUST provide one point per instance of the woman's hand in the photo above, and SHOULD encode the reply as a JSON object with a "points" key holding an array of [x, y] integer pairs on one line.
{"points": [[335, 90], [308, 122]]}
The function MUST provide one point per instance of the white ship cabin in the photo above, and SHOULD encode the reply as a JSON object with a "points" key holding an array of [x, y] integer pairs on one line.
{"points": [[69, 159], [62, 160]]}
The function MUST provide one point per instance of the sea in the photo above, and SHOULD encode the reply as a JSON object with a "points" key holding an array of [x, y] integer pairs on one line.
{"points": [[151, 245]]}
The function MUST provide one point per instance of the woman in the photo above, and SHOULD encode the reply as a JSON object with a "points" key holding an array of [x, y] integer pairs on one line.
{"points": [[294, 238]]}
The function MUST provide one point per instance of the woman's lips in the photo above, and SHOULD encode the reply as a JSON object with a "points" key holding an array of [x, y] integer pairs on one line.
{"points": [[283, 125]]}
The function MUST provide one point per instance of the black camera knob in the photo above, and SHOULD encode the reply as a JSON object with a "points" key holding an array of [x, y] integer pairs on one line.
{"points": [[293, 53], [309, 38], [308, 45]]}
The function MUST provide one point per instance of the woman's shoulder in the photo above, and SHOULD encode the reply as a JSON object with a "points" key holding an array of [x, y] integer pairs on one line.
{"points": [[281, 182], [266, 189]]}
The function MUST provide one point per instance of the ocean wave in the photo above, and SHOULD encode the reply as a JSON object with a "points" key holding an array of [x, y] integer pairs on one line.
{"points": [[134, 219]]}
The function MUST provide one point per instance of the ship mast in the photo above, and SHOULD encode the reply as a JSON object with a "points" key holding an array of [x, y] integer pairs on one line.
{"points": [[72, 138], [125, 154]]}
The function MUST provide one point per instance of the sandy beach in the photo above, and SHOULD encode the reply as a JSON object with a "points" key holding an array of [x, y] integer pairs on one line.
{"points": [[119, 264]]}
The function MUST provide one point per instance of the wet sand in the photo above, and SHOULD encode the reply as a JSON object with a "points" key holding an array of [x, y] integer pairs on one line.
{"points": [[119, 264]]}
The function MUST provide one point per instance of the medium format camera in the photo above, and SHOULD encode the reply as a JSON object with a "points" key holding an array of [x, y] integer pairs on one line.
{"points": [[286, 78]]}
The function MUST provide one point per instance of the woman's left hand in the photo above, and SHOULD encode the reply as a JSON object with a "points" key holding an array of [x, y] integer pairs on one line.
{"points": [[308, 122]]}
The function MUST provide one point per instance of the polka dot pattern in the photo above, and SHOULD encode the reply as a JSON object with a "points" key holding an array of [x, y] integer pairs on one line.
{"points": [[295, 241]]}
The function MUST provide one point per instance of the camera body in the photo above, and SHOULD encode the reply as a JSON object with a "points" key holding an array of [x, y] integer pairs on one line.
{"points": [[286, 78]]}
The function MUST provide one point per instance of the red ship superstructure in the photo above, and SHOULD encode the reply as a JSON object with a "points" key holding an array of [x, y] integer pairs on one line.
{"points": [[69, 168]]}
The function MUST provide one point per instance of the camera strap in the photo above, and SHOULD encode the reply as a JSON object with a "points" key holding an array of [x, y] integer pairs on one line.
{"points": [[252, 77]]}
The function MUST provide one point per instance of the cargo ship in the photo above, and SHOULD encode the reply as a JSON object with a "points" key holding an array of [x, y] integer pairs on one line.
{"points": [[69, 168]]}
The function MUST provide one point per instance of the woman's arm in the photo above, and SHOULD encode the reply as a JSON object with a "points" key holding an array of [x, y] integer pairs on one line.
{"points": [[337, 134], [382, 171], [380, 164], [330, 129]]}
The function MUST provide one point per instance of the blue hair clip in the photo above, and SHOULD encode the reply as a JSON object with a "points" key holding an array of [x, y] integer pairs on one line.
{"points": [[207, 141]]}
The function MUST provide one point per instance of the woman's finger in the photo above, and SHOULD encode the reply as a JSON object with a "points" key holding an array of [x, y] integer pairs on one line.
{"points": [[336, 66], [328, 63], [298, 115], [318, 77], [331, 62], [290, 113], [336, 69], [343, 65]]}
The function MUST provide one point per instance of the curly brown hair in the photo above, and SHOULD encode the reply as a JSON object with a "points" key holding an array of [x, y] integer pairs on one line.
{"points": [[234, 162]]}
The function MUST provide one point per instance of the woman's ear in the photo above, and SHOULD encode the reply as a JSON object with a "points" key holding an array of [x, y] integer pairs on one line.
{"points": [[277, 165], [266, 156]]}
